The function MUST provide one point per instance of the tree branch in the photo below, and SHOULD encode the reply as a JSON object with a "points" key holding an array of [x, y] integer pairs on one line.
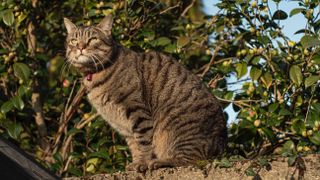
{"points": [[35, 97]]}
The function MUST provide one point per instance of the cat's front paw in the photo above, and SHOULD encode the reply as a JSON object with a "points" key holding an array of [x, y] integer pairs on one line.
{"points": [[157, 164], [137, 166]]}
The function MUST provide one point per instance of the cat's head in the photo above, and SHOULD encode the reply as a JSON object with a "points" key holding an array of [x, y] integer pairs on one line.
{"points": [[89, 48]]}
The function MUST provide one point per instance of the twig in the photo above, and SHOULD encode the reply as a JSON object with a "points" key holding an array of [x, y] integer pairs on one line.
{"points": [[170, 8], [309, 105], [67, 164], [84, 122], [201, 69], [73, 106], [211, 61], [66, 145], [240, 102], [240, 81], [188, 8], [68, 114], [62, 117]]}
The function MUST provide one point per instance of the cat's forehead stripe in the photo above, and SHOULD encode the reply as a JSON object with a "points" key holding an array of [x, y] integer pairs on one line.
{"points": [[86, 32]]}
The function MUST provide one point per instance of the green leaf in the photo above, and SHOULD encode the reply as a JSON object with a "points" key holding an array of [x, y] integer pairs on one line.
{"points": [[8, 17], [264, 162], [229, 95], [298, 126], [316, 59], [74, 131], [303, 31], [17, 102], [171, 48], [225, 163], [269, 133], [6, 107], [255, 73], [309, 41], [75, 171], [14, 130], [284, 112], [288, 148], [104, 154], [161, 41], [263, 39], [311, 80], [296, 11], [182, 41], [22, 90], [291, 160], [315, 138], [316, 107], [147, 33], [22, 71], [280, 15], [267, 79], [241, 69], [272, 107], [122, 148], [21, 18], [250, 172], [295, 75]]}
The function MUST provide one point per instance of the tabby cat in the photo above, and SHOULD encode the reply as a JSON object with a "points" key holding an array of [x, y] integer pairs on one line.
{"points": [[165, 113]]}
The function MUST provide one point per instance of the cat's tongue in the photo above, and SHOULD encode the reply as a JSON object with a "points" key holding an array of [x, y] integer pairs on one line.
{"points": [[89, 77]]}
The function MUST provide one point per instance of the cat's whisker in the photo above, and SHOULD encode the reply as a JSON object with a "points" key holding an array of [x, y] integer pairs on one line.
{"points": [[62, 70], [69, 66], [95, 64], [98, 59]]}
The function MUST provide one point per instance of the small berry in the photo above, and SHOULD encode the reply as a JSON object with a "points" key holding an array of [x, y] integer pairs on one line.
{"points": [[257, 123], [66, 83]]}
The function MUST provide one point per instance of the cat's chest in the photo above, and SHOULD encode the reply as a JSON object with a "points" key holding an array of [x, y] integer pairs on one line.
{"points": [[113, 113]]}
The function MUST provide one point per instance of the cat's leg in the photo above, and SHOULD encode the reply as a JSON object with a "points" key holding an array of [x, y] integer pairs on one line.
{"points": [[140, 142], [140, 156], [141, 145]]}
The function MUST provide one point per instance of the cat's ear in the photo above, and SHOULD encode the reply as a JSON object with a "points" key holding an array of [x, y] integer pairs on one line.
{"points": [[69, 25], [106, 23]]}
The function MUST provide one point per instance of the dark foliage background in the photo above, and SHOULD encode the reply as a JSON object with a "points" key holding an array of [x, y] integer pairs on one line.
{"points": [[44, 109]]}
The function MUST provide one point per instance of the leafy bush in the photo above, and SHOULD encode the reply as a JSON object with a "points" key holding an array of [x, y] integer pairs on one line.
{"points": [[278, 102], [43, 104]]}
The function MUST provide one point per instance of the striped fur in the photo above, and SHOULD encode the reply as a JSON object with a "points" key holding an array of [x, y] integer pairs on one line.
{"points": [[168, 117]]}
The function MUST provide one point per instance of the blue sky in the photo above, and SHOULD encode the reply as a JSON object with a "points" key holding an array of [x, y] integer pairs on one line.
{"points": [[290, 26]]}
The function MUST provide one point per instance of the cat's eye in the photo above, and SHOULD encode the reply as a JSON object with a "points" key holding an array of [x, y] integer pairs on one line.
{"points": [[73, 42], [93, 40]]}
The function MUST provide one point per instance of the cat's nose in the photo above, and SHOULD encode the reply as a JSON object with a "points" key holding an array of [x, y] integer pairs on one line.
{"points": [[81, 46]]}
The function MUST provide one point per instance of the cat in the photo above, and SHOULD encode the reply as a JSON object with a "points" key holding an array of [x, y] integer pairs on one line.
{"points": [[166, 114]]}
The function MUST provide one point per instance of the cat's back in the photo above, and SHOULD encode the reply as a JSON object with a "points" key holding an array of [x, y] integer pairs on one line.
{"points": [[169, 83]]}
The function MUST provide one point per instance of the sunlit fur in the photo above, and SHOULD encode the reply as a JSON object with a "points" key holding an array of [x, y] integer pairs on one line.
{"points": [[166, 114]]}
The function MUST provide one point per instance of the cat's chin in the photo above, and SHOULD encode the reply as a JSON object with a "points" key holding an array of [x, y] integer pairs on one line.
{"points": [[83, 59], [85, 70]]}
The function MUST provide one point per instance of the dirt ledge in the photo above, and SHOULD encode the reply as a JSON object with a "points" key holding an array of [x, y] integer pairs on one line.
{"points": [[278, 169]]}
